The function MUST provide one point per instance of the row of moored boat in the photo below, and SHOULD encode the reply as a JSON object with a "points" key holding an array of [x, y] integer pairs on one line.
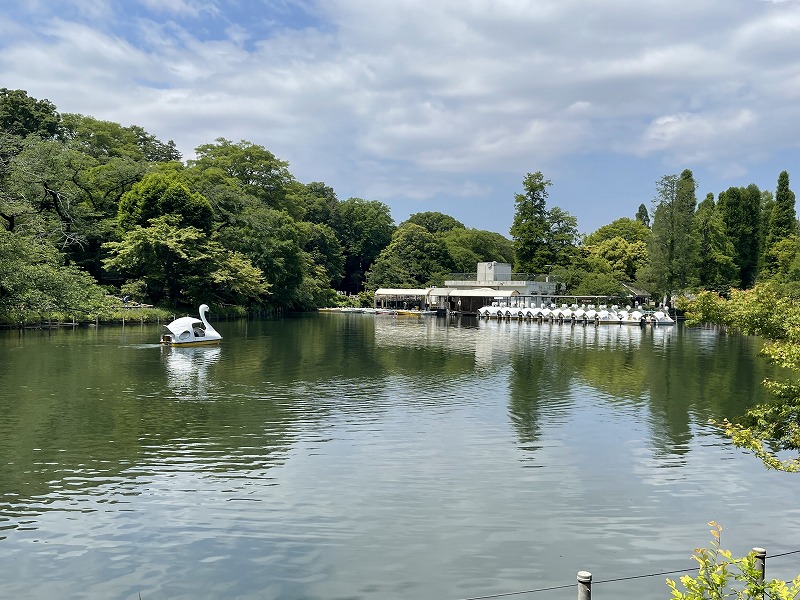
{"points": [[601, 315]]}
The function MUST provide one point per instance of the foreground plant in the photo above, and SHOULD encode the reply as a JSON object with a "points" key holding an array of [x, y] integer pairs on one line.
{"points": [[720, 575], [765, 311]]}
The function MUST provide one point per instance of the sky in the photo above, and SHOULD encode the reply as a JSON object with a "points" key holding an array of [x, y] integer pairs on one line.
{"points": [[439, 105]]}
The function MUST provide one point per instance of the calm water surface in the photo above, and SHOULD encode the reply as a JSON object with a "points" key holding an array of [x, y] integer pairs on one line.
{"points": [[339, 456]]}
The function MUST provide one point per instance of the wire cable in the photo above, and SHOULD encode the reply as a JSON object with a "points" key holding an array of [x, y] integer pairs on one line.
{"points": [[600, 581], [504, 594]]}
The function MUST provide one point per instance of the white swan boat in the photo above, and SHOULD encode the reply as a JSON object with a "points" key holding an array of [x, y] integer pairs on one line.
{"points": [[188, 331]]}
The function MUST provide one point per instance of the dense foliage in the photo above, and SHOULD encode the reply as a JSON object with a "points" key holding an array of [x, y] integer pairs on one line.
{"points": [[111, 210], [721, 575], [92, 210], [767, 311]]}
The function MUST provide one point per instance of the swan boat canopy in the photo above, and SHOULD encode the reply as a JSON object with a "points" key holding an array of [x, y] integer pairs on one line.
{"points": [[188, 331]]}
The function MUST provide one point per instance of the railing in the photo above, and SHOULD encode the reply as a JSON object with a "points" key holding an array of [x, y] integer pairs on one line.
{"points": [[585, 579], [502, 277]]}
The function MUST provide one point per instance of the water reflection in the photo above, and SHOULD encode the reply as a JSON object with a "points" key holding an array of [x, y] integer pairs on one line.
{"points": [[366, 456], [188, 370]]}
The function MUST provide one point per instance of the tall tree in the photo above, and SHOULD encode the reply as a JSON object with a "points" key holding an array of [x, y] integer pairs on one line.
{"points": [[561, 237], [673, 253], [782, 221], [365, 228], [717, 271], [740, 210], [643, 216], [529, 229]]}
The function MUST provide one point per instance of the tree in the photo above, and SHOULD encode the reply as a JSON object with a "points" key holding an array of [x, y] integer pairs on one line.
{"points": [[561, 237], [318, 200], [468, 247], [22, 115], [623, 258], [717, 271], [256, 169], [274, 243], [530, 226], [34, 281], [740, 210], [179, 263], [782, 221], [784, 258], [630, 230], [673, 254], [598, 284], [325, 251], [435, 222], [642, 216], [415, 258], [164, 193], [766, 311], [364, 229]]}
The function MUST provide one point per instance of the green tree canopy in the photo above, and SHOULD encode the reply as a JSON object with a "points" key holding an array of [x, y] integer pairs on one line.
{"points": [[364, 228], [435, 222], [324, 248], [34, 281], [740, 209], [630, 230], [256, 169], [22, 115], [104, 140], [716, 271], [672, 248], [765, 311], [274, 243], [468, 247], [164, 193], [623, 258], [643, 216], [179, 263], [782, 222], [530, 226], [414, 258]]}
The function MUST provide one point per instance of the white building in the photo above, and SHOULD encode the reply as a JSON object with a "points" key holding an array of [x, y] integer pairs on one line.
{"points": [[467, 292]]}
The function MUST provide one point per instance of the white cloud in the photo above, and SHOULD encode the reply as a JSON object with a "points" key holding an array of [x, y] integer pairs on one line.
{"points": [[420, 99]]}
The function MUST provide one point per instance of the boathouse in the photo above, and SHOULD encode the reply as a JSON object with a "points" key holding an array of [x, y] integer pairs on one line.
{"points": [[465, 293]]}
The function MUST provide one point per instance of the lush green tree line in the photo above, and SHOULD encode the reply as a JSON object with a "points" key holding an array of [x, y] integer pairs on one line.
{"points": [[91, 209], [679, 246], [109, 210]]}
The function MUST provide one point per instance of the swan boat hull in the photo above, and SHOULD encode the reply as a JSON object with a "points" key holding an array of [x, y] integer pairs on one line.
{"points": [[189, 331]]}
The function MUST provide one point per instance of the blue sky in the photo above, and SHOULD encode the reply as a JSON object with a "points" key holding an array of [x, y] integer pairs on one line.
{"points": [[440, 105]]}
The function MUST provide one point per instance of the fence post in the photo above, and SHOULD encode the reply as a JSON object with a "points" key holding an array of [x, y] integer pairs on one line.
{"points": [[584, 585], [761, 565]]}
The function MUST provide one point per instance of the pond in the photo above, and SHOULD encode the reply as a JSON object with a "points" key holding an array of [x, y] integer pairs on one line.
{"points": [[333, 456]]}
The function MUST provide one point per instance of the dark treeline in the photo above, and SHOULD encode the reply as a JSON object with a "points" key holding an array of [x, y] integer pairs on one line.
{"points": [[92, 211]]}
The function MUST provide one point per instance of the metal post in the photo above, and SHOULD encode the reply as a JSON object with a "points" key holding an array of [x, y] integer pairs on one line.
{"points": [[584, 585], [761, 566]]}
